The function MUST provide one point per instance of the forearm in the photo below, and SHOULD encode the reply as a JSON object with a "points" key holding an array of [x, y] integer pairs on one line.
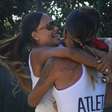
{"points": [[37, 94], [76, 55], [98, 52], [82, 57], [45, 82]]}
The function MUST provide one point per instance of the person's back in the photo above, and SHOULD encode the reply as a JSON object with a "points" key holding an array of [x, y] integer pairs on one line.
{"points": [[67, 72], [83, 89], [74, 90]]}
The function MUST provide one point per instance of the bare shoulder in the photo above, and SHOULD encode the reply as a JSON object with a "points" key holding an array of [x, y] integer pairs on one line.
{"points": [[37, 58], [64, 72], [38, 55], [50, 69], [37, 52], [62, 66]]}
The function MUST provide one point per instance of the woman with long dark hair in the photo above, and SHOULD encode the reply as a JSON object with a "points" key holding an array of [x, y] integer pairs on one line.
{"points": [[65, 77], [40, 33]]}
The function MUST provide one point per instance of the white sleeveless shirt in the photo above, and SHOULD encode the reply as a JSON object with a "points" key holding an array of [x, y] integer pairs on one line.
{"points": [[46, 104], [81, 96]]}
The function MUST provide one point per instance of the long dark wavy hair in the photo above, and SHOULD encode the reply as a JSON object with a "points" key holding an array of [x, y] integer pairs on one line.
{"points": [[29, 24]]}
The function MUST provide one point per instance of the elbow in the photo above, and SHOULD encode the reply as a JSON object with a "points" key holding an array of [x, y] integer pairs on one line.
{"points": [[31, 102]]}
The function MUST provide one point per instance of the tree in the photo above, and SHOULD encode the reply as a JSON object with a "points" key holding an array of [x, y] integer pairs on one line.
{"points": [[59, 9], [105, 9], [9, 8]]}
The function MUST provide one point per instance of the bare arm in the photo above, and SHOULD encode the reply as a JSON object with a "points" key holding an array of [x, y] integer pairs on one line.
{"points": [[46, 81], [97, 52], [74, 54], [105, 60]]}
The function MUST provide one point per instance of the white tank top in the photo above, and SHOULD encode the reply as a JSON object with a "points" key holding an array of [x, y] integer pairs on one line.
{"points": [[46, 104], [33, 77], [81, 96]]}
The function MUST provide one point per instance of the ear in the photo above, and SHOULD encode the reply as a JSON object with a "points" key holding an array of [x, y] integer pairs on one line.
{"points": [[34, 35]]}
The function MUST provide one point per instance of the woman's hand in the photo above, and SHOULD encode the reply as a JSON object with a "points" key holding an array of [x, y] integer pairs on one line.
{"points": [[105, 66], [105, 63]]}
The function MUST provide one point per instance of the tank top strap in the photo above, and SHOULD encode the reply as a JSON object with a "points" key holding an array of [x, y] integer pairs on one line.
{"points": [[33, 77]]}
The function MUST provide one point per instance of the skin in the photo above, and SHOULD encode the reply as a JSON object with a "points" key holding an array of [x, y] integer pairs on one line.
{"points": [[54, 69], [61, 72], [47, 40], [44, 37], [105, 62]]}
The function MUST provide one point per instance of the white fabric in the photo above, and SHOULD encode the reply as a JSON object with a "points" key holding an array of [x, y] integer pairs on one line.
{"points": [[46, 104], [81, 96], [108, 41], [33, 77]]}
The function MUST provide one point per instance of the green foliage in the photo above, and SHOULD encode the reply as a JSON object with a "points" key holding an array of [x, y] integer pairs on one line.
{"points": [[105, 9], [57, 8], [9, 8]]}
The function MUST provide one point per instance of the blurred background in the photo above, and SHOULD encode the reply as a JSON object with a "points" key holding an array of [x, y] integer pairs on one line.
{"points": [[13, 92], [11, 12]]}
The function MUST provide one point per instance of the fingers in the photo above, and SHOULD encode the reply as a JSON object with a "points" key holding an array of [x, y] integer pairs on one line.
{"points": [[106, 70], [107, 79], [99, 61], [103, 67]]}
